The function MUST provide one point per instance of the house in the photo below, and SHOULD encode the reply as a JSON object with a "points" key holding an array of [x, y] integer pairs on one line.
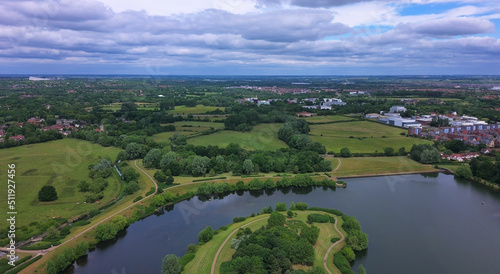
{"points": [[2, 132], [17, 138]]}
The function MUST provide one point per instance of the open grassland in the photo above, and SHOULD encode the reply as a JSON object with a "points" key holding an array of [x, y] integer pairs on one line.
{"points": [[140, 106], [362, 137], [205, 255], [199, 109], [379, 166], [187, 128], [327, 119], [62, 164], [262, 137]]}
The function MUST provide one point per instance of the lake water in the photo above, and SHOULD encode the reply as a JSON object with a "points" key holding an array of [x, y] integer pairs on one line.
{"points": [[423, 223]]}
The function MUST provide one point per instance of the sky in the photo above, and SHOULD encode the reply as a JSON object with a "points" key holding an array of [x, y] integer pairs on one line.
{"points": [[250, 37]]}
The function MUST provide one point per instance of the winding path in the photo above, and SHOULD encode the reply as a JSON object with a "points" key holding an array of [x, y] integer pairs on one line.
{"points": [[333, 245], [212, 271], [340, 163], [43, 251]]}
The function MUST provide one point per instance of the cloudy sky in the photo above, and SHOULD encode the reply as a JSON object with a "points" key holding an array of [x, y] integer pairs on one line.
{"points": [[250, 37]]}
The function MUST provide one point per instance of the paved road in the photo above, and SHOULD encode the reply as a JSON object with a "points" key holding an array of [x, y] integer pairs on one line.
{"points": [[332, 246]]}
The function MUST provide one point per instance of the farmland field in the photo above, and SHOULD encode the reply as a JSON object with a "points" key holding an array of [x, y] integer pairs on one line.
{"points": [[140, 106], [378, 166], [62, 164], [327, 119], [199, 109], [362, 137], [262, 137], [186, 128]]}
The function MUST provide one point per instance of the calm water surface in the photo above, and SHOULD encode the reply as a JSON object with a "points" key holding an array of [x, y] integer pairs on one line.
{"points": [[428, 223]]}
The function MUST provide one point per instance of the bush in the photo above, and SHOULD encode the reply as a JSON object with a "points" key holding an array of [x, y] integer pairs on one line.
{"points": [[317, 218], [206, 234], [280, 207], [132, 187], [192, 248], [301, 206], [238, 219], [184, 260], [47, 194], [340, 261], [138, 198], [334, 239]]}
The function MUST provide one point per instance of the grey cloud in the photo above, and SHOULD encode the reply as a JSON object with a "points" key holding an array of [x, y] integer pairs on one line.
{"points": [[454, 27]]}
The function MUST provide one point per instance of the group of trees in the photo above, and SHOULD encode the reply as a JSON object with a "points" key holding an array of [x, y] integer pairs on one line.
{"points": [[486, 168], [425, 154], [200, 160], [107, 231], [294, 133], [60, 262], [272, 249], [98, 174]]}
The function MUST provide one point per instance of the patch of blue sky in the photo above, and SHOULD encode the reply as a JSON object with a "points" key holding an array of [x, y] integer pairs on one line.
{"points": [[431, 8]]}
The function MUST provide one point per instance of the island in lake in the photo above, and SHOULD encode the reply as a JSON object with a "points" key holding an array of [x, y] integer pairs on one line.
{"points": [[300, 240]]}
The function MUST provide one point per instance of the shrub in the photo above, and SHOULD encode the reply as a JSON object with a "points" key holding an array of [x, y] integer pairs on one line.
{"points": [[301, 206], [206, 234], [317, 218], [280, 207], [132, 187], [138, 198]]}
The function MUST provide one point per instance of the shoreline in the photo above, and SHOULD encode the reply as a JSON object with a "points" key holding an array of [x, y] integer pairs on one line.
{"points": [[392, 174]]}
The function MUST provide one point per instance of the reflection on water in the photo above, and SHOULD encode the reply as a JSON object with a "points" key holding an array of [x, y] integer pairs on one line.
{"points": [[417, 226]]}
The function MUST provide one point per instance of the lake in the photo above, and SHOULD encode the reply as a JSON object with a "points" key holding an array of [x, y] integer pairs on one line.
{"points": [[421, 223]]}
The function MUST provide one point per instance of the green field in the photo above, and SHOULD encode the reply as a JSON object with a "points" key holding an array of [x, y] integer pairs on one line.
{"points": [[199, 109], [202, 262], [62, 164], [327, 119], [140, 106], [186, 128], [373, 137], [262, 137], [378, 166]]}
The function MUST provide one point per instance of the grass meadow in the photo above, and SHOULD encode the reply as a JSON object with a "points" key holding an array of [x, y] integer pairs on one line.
{"points": [[262, 137], [378, 166], [199, 109], [362, 137], [187, 128], [62, 164]]}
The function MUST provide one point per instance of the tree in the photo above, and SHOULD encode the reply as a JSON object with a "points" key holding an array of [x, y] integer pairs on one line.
{"points": [[170, 180], [105, 231], [47, 194], [248, 166], [276, 219], [133, 151], [206, 234], [83, 186], [120, 222], [153, 158], [388, 151], [289, 213], [402, 151], [280, 207], [292, 206], [463, 171], [170, 265], [211, 173], [131, 187], [129, 174], [345, 152], [160, 177], [357, 240], [361, 269], [311, 234], [199, 165]]}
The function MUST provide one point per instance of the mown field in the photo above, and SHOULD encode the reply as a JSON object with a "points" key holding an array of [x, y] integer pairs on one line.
{"points": [[199, 109], [262, 137], [377, 166], [62, 164], [362, 137], [187, 128], [327, 119]]}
